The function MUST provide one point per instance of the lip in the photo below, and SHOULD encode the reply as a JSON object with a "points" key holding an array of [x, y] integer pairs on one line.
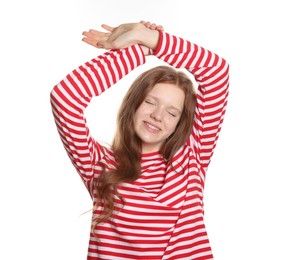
{"points": [[148, 126]]}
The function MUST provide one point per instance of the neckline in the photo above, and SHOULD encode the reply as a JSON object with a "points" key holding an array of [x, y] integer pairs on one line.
{"points": [[151, 156]]}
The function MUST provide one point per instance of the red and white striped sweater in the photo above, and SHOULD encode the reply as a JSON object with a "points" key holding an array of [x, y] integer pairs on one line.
{"points": [[162, 217]]}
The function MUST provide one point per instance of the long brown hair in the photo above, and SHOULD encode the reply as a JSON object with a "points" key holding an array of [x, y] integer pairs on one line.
{"points": [[127, 146]]}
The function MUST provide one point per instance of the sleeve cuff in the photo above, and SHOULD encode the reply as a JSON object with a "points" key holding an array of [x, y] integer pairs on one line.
{"points": [[157, 52]]}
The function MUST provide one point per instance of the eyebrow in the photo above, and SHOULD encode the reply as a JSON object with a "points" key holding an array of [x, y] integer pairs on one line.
{"points": [[172, 107]]}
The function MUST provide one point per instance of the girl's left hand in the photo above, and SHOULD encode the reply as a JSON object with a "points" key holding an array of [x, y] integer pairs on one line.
{"points": [[152, 26], [119, 37], [94, 37], [122, 36]]}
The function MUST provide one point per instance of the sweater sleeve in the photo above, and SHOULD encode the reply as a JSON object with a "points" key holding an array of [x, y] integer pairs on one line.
{"points": [[71, 96], [211, 72]]}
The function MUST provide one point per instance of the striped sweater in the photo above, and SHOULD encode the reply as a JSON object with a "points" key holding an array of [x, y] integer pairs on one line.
{"points": [[162, 217]]}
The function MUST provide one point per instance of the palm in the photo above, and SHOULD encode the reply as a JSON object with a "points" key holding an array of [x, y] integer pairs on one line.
{"points": [[123, 36], [115, 38], [119, 37]]}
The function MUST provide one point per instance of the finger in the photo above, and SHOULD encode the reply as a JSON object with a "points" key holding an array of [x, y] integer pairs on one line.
{"points": [[107, 27], [147, 24], [93, 37], [153, 26], [92, 42], [95, 34], [90, 34], [92, 31], [84, 33], [160, 28], [144, 23]]}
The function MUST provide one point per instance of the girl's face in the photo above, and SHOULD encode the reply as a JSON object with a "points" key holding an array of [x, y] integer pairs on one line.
{"points": [[157, 117]]}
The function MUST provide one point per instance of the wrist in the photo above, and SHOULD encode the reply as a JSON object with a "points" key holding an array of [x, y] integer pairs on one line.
{"points": [[147, 51], [148, 37]]}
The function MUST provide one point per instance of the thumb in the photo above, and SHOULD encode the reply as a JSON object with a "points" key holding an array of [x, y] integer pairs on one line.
{"points": [[107, 27]]}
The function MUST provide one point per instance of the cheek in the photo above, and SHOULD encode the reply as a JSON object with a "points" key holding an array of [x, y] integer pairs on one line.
{"points": [[139, 114], [135, 118], [171, 124]]}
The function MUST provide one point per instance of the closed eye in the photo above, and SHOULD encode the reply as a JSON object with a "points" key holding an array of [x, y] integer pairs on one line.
{"points": [[149, 102], [172, 114]]}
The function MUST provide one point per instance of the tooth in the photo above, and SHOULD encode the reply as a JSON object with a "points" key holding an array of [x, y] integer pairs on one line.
{"points": [[153, 127]]}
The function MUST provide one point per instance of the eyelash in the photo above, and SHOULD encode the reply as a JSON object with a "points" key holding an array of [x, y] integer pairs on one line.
{"points": [[152, 103], [149, 102]]}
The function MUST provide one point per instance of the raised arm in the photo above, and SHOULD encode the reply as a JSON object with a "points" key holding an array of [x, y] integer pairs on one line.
{"points": [[211, 72], [71, 96]]}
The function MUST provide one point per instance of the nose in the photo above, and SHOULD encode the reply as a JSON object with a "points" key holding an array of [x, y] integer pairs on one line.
{"points": [[156, 115]]}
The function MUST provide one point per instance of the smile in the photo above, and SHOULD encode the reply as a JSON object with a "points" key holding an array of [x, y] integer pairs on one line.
{"points": [[152, 127]]}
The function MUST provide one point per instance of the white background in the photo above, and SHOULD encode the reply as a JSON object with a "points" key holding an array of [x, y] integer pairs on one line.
{"points": [[252, 189]]}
